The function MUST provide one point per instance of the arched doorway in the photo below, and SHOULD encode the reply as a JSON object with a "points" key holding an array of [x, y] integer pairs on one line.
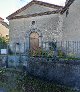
{"points": [[34, 41]]}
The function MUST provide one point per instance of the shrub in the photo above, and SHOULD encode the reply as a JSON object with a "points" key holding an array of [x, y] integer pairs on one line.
{"points": [[61, 53], [3, 43], [31, 84]]}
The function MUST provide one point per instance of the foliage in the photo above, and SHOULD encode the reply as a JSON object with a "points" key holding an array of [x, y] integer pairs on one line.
{"points": [[3, 43], [70, 58], [32, 84], [2, 76], [60, 53], [8, 79], [19, 81], [41, 53]]}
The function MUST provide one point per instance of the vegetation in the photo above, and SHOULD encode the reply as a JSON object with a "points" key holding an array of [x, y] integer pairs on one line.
{"points": [[50, 54], [69, 58], [3, 42], [41, 53], [31, 84], [18, 81], [8, 79]]}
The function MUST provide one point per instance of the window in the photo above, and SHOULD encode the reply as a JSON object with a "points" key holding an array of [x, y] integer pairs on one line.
{"points": [[7, 35], [33, 22]]}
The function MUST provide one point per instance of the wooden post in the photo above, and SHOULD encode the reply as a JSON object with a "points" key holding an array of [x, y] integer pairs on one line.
{"points": [[55, 51], [24, 48]]}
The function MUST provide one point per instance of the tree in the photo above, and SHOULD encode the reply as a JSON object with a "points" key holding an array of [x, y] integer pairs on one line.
{"points": [[3, 43]]}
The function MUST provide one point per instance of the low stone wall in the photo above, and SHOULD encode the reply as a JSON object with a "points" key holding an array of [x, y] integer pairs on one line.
{"points": [[2, 60], [13, 60], [61, 72], [16, 60]]}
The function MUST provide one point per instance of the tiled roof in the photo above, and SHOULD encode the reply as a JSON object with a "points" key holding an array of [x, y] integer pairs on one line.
{"points": [[36, 14], [67, 6], [4, 24], [31, 3]]}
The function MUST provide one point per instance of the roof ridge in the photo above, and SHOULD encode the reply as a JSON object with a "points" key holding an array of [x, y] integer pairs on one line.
{"points": [[34, 2]]}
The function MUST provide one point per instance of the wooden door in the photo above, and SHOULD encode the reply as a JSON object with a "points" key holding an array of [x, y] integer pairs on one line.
{"points": [[34, 41]]}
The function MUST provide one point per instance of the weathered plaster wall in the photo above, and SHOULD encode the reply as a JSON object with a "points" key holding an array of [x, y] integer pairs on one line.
{"points": [[71, 24], [49, 26], [4, 30]]}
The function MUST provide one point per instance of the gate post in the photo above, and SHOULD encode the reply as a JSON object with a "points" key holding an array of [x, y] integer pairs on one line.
{"points": [[7, 57], [55, 51]]}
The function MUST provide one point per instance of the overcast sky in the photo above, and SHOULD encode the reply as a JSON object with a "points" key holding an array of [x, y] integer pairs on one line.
{"points": [[9, 6]]}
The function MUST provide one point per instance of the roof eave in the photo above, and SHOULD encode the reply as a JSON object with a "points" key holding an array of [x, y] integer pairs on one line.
{"points": [[33, 2], [67, 6], [36, 14]]}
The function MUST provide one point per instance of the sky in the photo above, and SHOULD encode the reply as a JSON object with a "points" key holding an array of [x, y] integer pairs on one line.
{"points": [[7, 7]]}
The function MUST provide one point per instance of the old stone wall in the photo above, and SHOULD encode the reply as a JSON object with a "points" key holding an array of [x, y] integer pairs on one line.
{"points": [[46, 26], [61, 72], [71, 24], [13, 60]]}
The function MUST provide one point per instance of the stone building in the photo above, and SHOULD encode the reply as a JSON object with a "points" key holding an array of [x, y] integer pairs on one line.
{"points": [[4, 28], [35, 23], [39, 22], [71, 24]]}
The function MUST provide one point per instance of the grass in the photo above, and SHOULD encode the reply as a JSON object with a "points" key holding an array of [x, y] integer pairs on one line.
{"points": [[69, 58], [18, 81], [8, 80], [37, 85]]}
